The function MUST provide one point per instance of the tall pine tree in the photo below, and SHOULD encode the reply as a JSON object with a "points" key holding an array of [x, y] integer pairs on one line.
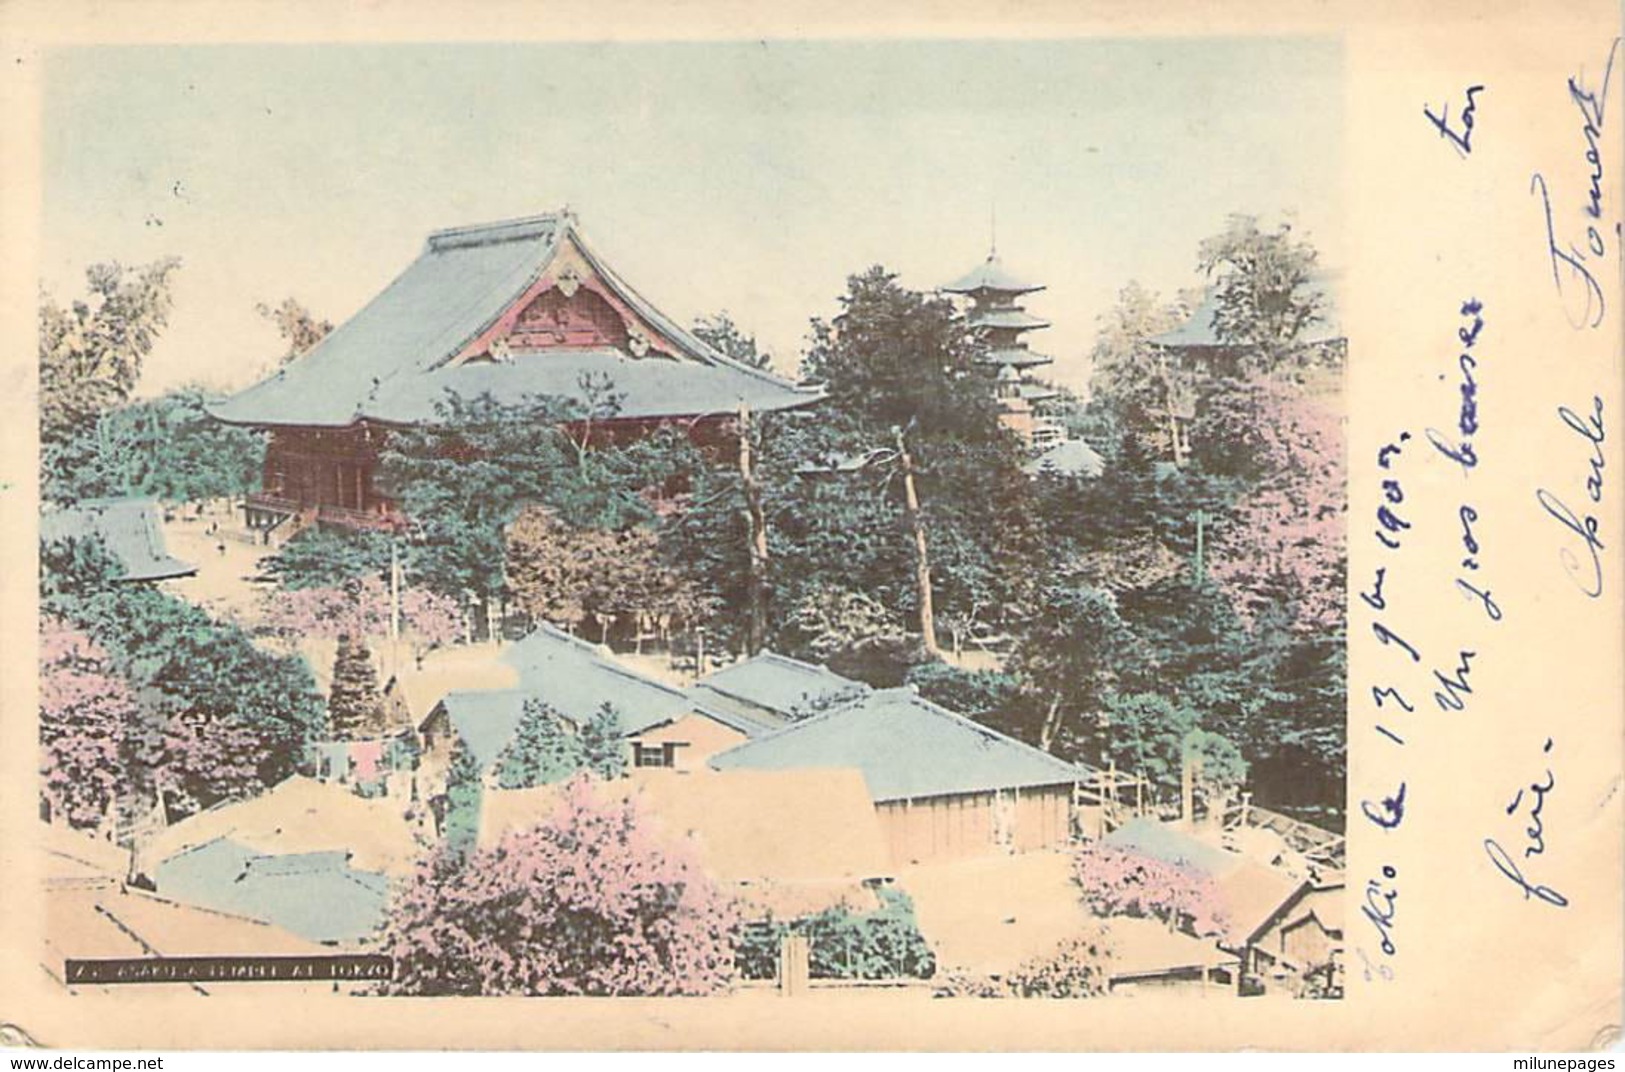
{"points": [[542, 751], [601, 745], [354, 708]]}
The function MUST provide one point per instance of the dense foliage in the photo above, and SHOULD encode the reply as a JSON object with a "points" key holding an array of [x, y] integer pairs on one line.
{"points": [[721, 333], [216, 716], [884, 943], [167, 448], [590, 902], [328, 557], [91, 352], [355, 710], [1079, 968]]}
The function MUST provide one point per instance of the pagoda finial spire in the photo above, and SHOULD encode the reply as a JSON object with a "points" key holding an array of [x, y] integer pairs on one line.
{"points": [[993, 231]]}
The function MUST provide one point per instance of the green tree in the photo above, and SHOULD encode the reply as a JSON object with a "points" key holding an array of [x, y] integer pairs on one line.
{"points": [[331, 557], [895, 357], [465, 788], [167, 448], [543, 750], [721, 333], [464, 479], [1264, 287], [604, 752], [299, 327], [983, 695], [91, 352], [1144, 388], [1073, 655]]}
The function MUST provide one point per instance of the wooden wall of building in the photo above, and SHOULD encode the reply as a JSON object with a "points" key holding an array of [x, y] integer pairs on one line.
{"points": [[955, 826], [697, 739]]}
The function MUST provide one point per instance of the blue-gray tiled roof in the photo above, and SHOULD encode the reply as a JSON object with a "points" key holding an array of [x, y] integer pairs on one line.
{"points": [[644, 387], [576, 678], [385, 362], [128, 528], [906, 747], [775, 683], [316, 895]]}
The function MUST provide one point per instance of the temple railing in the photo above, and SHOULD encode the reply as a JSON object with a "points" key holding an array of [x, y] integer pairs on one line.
{"points": [[267, 513], [357, 519]]}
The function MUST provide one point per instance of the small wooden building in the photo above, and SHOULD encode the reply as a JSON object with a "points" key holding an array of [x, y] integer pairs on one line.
{"points": [[943, 786], [1299, 948], [574, 679]]}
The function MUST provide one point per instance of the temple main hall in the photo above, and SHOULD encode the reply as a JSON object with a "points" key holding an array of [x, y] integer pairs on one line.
{"points": [[516, 309]]}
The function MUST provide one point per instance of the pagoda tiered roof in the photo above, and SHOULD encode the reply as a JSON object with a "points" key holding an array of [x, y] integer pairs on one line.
{"points": [[1015, 357], [990, 277], [1004, 317], [517, 308]]}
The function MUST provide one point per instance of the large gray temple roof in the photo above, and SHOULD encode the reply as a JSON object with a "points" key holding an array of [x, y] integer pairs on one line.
{"points": [[395, 358]]}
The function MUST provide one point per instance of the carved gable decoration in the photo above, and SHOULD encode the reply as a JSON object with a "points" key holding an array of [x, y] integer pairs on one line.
{"points": [[581, 318]]}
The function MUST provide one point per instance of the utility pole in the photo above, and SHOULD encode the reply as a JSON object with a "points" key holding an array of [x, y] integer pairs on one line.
{"points": [[1200, 569], [922, 564], [394, 606], [756, 634]]}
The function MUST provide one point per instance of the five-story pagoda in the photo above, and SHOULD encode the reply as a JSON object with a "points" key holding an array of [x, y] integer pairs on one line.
{"points": [[994, 313]]}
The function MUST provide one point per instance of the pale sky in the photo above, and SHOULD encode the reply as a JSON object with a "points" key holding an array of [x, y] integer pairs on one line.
{"points": [[752, 177]]}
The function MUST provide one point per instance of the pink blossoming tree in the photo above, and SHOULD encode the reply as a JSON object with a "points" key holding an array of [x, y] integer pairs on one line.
{"points": [[590, 902], [361, 610], [85, 709], [352, 614], [206, 760], [1283, 544], [1120, 882]]}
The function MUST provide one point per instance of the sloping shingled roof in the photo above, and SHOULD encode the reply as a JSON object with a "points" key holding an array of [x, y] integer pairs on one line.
{"points": [[777, 682], [120, 922], [576, 678], [301, 816], [128, 528], [386, 362], [572, 677], [906, 747]]}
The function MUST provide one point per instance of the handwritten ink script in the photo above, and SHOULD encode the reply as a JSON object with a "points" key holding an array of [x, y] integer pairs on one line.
{"points": [[1528, 802], [1584, 529], [1461, 140], [1582, 295]]}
